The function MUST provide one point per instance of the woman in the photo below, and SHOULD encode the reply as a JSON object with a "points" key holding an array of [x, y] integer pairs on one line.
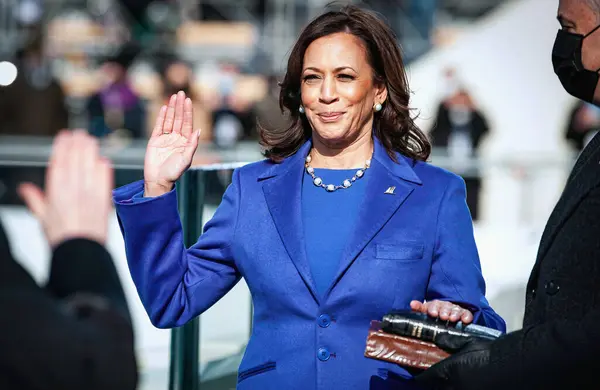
{"points": [[340, 224]]}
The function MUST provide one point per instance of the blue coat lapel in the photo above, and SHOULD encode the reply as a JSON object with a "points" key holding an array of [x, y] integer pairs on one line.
{"points": [[283, 194], [377, 206]]}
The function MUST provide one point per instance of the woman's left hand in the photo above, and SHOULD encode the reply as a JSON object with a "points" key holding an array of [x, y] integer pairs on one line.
{"points": [[443, 310]]}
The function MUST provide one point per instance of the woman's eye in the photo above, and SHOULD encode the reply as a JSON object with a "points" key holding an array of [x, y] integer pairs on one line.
{"points": [[310, 77], [346, 77]]}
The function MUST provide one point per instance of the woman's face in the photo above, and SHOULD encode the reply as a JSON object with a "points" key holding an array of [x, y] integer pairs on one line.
{"points": [[337, 89]]}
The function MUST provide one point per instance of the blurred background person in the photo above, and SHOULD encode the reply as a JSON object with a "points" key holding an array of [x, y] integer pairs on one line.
{"points": [[268, 111], [177, 75], [459, 129], [116, 109], [75, 332], [583, 124], [35, 90], [233, 119], [34, 105]]}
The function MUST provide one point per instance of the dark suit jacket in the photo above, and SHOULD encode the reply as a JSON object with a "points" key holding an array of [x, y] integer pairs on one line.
{"points": [[559, 345], [73, 334]]}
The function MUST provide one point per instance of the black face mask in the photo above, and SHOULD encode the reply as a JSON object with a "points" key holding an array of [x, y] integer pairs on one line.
{"points": [[568, 66]]}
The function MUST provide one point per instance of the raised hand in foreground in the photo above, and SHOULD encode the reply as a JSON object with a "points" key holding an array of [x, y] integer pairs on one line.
{"points": [[77, 198]]}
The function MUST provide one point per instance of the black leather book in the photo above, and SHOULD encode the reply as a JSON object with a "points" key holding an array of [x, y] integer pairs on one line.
{"points": [[422, 327]]}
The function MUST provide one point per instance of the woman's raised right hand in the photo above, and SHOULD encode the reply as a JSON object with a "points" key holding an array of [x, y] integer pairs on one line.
{"points": [[171, 146]]}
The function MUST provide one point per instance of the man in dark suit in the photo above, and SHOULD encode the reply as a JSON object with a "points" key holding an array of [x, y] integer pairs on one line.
{"points": [[76, 332], [559, 345]]}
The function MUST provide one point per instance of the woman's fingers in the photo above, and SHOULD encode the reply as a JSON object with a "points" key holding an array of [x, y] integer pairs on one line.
{"points": [[191, 147], [417, 306], [188, 118], [451, 312], [176, 117], [160, 122], [433, 308], [169, 116], [179, 108], [446, 311], [466, 317]]}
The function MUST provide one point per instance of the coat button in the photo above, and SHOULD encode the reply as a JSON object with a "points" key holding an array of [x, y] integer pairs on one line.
{"points": [[324, 320], [552, 288], [323, 354]]}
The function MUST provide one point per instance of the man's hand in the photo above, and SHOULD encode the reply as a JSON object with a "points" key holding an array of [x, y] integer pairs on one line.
{"points": [[78, 185], [453, 373]]}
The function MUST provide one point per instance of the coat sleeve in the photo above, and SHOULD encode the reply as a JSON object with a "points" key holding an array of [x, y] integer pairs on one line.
{"points": [[176, 284], [80, 338], [456, 271]]}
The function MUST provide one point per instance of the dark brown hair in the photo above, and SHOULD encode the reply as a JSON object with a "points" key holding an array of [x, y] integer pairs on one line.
{"points": [[393, 125]]}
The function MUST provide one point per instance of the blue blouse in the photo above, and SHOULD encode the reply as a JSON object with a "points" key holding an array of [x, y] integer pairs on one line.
{"points": [[324, 212]]}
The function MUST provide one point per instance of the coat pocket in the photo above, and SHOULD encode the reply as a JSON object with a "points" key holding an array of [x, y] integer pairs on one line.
{"points": [[412, 250], [260, 369]]}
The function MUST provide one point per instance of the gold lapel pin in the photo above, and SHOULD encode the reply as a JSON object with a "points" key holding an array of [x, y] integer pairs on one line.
{"points": [[390, 190]]}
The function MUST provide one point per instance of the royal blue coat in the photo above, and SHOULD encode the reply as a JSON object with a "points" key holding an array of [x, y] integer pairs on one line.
{"points": [[416, 243]]}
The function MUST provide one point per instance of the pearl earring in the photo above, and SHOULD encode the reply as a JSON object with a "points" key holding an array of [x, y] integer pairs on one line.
{"points": [[378, 107], [301, 109]]}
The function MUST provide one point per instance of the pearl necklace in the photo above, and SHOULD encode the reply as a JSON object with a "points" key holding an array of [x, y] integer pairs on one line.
{"points": [[331, 187]]}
